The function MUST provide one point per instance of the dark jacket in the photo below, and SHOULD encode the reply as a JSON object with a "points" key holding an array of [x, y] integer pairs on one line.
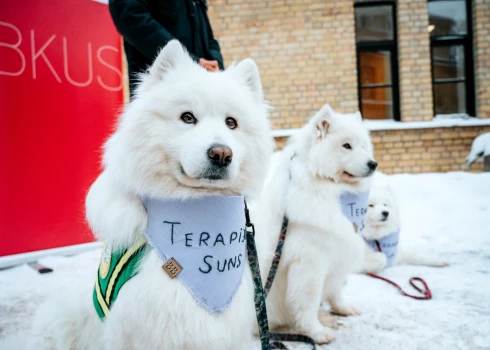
{"points": [[147, 26]]}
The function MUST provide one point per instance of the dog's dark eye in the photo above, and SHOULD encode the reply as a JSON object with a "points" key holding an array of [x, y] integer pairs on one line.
{"points": [[371, 205], [346, 146], [231, 123], [188, 118]]}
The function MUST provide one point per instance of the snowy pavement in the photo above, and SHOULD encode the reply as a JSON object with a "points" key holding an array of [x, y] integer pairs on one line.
{"points": [[448, 214]]}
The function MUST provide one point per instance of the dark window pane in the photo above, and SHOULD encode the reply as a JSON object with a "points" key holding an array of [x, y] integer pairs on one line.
{"points": [[448, 61], [374, 23], [450, 98], [377, 103], [375, 67], [447, 18]]}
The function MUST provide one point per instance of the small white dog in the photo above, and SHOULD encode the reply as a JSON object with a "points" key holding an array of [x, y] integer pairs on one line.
{"points": [[381, 231], [331, 154], [168, 143]]}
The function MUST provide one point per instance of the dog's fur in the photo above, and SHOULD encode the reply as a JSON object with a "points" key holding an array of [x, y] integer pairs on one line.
{"points": [[154, 153], [321, 248], [382, 219]]}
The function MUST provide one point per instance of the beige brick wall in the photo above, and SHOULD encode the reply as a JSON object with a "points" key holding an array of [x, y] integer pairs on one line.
{"points": [[481, 19], [425, 150], [414, 61], [305, 51]]}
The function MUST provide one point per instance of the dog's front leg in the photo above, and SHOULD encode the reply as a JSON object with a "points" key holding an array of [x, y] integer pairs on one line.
{"points": [[115, 216], [303, 298]]}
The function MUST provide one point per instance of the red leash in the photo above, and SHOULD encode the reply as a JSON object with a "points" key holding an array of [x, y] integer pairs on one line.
{"points": [[427, 294]]}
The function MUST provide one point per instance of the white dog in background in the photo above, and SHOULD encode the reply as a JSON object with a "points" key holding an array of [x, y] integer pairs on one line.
{"points": [[331, 154], [382, 220], [161, 149]]}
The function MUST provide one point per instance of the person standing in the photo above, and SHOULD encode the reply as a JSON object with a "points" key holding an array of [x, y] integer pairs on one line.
{"points": [[148, 25]]}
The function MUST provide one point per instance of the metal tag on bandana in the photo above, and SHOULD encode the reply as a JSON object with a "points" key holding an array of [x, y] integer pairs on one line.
{"points": [[354, 207], [206, 238], [388, 245]]}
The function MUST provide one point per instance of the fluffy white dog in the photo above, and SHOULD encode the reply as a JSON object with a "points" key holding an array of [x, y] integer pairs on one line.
{"points": [[168, 143], [382, 221], [331, 154]]}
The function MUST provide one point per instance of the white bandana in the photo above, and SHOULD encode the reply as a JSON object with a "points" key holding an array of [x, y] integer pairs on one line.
{"points": [[387, 245], [354, 207], [207, 238]]}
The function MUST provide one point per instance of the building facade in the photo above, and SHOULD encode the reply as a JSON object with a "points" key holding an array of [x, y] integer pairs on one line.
{"points": [[400, 62]]}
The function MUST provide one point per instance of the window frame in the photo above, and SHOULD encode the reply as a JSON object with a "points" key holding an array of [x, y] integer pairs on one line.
{"points": [[466, 41], [389, 45]]}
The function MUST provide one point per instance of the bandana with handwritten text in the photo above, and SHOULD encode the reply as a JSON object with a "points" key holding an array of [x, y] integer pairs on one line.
{"points": [[354, 207], [387, 245], [206, 236]]}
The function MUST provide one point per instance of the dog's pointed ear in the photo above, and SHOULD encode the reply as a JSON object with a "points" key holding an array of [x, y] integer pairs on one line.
{"points": [[172, 55], [247, 73], [323, 119], [358, 116]]}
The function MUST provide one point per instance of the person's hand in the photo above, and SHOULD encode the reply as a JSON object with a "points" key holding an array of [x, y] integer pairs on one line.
{"points": [[210, 66]]}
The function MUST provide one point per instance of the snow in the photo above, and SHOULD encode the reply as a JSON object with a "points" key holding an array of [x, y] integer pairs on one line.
{"points": [[479, 148], [448, 214]]}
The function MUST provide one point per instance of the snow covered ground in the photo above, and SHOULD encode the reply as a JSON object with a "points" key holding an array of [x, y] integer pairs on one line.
{"points": [[448, 214]]}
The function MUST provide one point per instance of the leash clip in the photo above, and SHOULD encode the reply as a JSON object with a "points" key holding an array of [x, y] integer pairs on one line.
{"points": [[248, 223]]}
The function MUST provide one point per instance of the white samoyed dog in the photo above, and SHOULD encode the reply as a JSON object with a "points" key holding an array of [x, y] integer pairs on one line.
{"points": [[383, 220], [331, 154], [168, 143]]}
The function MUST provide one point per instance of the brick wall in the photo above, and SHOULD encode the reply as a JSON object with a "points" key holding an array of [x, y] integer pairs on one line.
{"points": [[425, 150], [305, 51], [414, 60], [481, 19], [306, 54]]}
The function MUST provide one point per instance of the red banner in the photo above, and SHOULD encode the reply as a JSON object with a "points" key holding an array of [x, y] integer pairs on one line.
{"points": [[60, 90]]}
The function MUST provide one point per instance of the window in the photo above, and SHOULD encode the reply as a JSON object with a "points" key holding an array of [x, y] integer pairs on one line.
{"points": [[452, 56], [377, 64]]}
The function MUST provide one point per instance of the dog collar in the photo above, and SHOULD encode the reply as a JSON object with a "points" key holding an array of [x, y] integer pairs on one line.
{"points": [[202, 242], [354, 207], [388, 245]]}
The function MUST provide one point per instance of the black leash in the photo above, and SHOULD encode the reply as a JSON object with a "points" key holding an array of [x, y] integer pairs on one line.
{"points": [[278, 338], [259, 293], [277, 256], [268, 340]]}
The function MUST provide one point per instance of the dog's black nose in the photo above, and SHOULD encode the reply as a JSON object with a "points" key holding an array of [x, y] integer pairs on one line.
{"points": [[220, 155], [372, 165], [385, 214]]}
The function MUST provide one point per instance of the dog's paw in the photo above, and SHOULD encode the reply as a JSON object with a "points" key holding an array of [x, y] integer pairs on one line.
{"points": [[327, 320], [375, 263], [346, 311], [323, 335]]}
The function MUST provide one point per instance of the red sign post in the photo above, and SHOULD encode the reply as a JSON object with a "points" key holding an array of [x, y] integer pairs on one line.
{"points": [[60, 90]]}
